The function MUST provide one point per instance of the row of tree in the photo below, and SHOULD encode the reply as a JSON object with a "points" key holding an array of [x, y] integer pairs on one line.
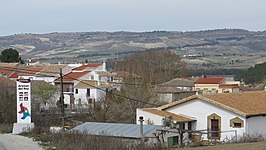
{"points": [[256, 74]]}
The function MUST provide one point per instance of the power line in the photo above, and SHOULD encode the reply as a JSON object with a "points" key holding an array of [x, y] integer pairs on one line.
{"points": [[20, 70], [115, 93], [31, 71]]}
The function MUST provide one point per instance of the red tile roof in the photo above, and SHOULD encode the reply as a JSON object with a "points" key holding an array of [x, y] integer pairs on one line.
{"points": [[28, 71], [207, 80], [87, 66], [6, 70], [70, 77]]}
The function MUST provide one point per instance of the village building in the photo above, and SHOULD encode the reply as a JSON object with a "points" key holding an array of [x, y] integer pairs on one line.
{"points": [[220, 117], [175, 89], [205, 85], [87, 92], [32, 62], [129, 133]]}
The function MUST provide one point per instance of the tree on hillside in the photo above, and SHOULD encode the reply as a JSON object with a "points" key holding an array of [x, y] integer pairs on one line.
{"points": [[10, 55], [154, 66], [256, 74]]}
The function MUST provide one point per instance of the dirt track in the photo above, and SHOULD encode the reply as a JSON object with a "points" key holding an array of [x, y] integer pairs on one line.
{"points": [[17, 142]]}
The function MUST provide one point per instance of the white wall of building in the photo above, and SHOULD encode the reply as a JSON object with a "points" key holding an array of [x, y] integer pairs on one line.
{"points": [[155, 119], [256, 126], [201, 110], [96, 94]]}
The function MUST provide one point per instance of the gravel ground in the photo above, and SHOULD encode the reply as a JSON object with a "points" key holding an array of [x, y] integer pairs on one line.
{"points": [[17, 142]]}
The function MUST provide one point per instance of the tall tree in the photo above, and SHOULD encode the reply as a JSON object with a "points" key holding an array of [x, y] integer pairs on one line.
{"points": [[10, 55], [154, 66]]}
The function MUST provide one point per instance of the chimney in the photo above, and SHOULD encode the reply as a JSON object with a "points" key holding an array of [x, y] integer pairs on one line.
{"points": [[141, 128], [104, 65]]}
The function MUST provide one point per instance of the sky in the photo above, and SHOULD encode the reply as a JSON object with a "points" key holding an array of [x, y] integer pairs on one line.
{"points": [[45, 16]]}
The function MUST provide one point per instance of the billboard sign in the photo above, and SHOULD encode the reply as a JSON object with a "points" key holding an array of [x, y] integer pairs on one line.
{"points": [[23, 101]]}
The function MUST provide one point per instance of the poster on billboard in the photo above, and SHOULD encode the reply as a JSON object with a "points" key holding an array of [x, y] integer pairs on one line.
{"points": [[23, 101]]}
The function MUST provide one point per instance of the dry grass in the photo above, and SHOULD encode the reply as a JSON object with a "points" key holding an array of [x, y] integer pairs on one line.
{"points": [[237, 146], [79, 141]]}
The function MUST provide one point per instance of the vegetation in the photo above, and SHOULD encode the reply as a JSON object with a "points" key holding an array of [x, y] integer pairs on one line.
{"points": [[8, 101], [153, 66], [82, 141], [10, 55], [256, 74]]}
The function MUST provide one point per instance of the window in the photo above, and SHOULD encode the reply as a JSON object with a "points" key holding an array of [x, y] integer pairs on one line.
{"points": [[236, 123], [189, 125], [92, 77], [88, 92], [112, 79], [76, 91]]}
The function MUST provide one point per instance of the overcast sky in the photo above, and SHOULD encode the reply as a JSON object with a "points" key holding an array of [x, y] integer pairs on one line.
{"points": [[44, 16]]}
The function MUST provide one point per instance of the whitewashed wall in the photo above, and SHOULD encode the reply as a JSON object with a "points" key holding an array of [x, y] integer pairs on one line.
{"points": [[82, 95], [201, 110], [155, 119], [256, 126]]}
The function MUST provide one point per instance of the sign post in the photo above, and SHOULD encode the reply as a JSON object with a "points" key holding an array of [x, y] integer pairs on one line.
{"points": [[23, 107]]}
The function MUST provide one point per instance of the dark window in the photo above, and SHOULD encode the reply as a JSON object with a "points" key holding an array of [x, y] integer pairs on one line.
{"points": [[88, 92], [77, 91], [189, 125], [237, 125]]}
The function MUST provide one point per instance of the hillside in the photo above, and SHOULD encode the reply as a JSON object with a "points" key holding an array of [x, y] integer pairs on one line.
{"points": [[241, 44]]}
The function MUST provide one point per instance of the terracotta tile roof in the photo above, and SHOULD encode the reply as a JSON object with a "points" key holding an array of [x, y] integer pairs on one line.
{"points": [[13, 75], [87, 66], [51, 70], [207, 80], [7, 70], [175, 117], [27, 71], [31, 71], [85, 84], [246, 104], [70, 77]]}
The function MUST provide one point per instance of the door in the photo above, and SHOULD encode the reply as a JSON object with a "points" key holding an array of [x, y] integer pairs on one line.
{"points": [[215, 129]]}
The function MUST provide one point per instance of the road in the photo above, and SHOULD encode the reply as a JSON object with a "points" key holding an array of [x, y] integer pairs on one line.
{"points": [[17, 142]]}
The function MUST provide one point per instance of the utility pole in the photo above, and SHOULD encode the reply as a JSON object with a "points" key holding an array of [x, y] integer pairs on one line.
{"points": [[62, 100]]}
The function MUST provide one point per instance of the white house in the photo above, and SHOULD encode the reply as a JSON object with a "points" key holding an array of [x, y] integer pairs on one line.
{"points": [[221, 116], [31, 62], [52, 72], [87, 92], [90, 67], [69, 80]]}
